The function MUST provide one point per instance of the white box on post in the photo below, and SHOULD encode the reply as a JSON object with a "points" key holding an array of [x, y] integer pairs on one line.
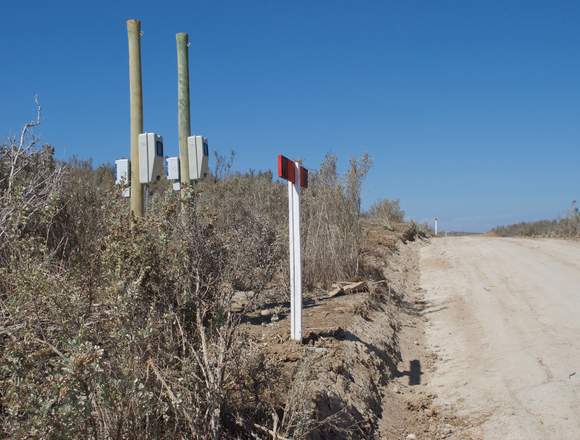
{"points": [[123, 177], [173, 172], [150, 157], [198, 154]]}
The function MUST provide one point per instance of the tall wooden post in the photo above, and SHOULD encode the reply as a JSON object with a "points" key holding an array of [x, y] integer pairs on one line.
{"points": [[136, 98], [183, 106]]}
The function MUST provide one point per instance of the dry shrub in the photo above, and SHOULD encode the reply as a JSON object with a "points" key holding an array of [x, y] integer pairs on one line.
{"points": [[29, 197], [387, 211], [331, 222], [247, 209], [82, 217], [252, 192], [330, 211], [151, 352], [115, 332]]}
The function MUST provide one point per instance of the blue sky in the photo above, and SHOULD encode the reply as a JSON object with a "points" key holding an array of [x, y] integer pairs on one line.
{"points": [[469, 109]]}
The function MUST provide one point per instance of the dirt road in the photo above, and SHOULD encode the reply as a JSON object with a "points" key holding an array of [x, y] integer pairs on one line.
{"points": [[504, 320]]}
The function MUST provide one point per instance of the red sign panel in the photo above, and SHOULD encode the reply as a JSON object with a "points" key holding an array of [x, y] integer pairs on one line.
{"points": [[287, 170], [303, 177]]}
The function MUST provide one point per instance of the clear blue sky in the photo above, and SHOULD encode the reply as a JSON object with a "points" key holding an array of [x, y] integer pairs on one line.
{"points": [[469, 109]]}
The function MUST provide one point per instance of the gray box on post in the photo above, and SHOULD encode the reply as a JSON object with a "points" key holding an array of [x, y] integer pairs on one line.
{"points": [[198, 155], [150, 157]]}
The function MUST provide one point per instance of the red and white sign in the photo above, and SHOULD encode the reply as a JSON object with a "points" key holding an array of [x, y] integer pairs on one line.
{"points": [[297, 177], [287, 170]]}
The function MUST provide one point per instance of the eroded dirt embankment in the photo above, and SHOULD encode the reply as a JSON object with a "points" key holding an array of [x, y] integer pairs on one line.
{"points": [[358, 373]]}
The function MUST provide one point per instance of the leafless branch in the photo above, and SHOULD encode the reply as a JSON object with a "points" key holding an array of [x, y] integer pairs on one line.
{"points": [[31, 124]]}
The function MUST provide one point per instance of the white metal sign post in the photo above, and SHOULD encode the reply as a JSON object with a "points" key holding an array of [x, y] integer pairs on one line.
{"points": [[297, 177], [295, 259]]}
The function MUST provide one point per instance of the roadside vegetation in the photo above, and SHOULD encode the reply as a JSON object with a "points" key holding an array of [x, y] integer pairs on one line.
{"points": [[387, 211], [109, 331], [567, 227]]}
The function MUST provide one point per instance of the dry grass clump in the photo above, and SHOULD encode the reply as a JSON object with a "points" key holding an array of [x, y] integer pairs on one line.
{"points": [[331, 214], [387, 211]]}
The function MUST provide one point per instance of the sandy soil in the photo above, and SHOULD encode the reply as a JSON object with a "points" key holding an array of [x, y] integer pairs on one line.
{"points": [[503, 321], [410, 408]]}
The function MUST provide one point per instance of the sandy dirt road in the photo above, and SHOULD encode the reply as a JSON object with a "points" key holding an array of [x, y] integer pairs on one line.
{"points": [[504, 320]]}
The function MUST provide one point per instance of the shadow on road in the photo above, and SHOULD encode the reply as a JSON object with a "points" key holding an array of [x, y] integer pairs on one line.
{"points": [[414, 372]]}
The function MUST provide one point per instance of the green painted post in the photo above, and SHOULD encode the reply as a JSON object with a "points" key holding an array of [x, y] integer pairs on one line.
{"points": [[136, 99], [183, 106]]}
